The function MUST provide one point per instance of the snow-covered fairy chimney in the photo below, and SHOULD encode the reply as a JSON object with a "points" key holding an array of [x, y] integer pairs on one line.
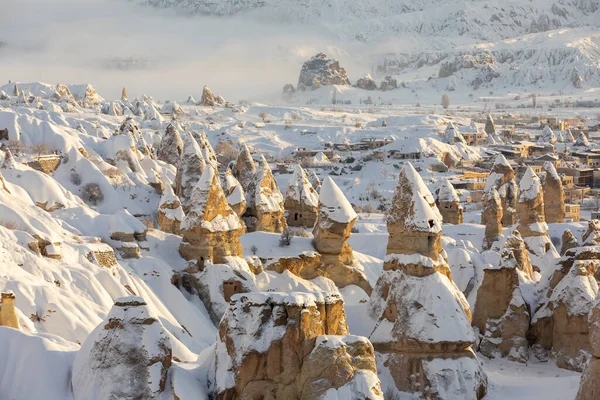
{"points": [[127, 356], [236, 197], [268, 201], [170, 212], [502, 178], [334, 225], [491, 217], [171, 146], [301, 200], [449, 205], [554, 195], [420, 316], [190, 167], [211, 230], [490, 126]]}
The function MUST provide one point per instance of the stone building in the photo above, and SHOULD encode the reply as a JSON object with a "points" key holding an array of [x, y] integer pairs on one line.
{"points": [[502, 178], [301, 200], [211, 229], [554, 195], [449, 205], [420, 314]]}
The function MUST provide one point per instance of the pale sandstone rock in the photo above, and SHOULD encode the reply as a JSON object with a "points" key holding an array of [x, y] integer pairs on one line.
{"points": [[301, 200], [268, 201], [170, 212], [423, 321], [236, 197], [211, 229], [208, 98], [502, 178], [449, 205], [8, 315], [279, 346], [331, 232], [171, 146], [568, 242], [559, 325], [127, 356], [190, 167], [554, 195]]}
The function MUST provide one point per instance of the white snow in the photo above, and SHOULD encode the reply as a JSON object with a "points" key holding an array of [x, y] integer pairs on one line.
{"points": [[334, 204]]}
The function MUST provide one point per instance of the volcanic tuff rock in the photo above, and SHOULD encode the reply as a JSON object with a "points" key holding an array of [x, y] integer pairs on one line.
{"points": [[502, 178], [301, 200], [449, 205], [560, 323], [210, 229], [554, 195], [171, 146], [280, 345], [189, 169], [170, 213], [491, 217], [322, 71], [589, 387], [423, 321], [333, 228], [126, 356]]}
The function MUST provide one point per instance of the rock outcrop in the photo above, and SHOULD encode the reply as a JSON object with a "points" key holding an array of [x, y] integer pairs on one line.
{"points": [[208, 98], [236, 197], [321, 71], [568, 242], [423, 321], [334, 224], [126, 357], [490, 126], [171, 146], [292, 346], [8, 315], [491, 217], [554, 195], [210, 229], [452, 134], [547, 136], [581, 141], [189, 169], [589, 386], [531, 216], [449, 205], [301, 200], [170, 212], [502, 178], [366, 82], [560, 323], [268, 209], [501, 314]]}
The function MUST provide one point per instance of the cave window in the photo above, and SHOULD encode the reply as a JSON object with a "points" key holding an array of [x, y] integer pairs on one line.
{"points": [[430, 223]]}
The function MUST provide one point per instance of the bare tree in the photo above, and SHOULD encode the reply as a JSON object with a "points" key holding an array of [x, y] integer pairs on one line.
{"points": [[445, 101], [263, 115], [225, 152]]}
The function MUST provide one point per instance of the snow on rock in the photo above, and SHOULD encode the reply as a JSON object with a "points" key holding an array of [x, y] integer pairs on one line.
{"points": [[189, 169], [321, 71], [171, 146], [293, 332], [452, 134], [210, 229], [128, 355], [268, 201], [334, 204]]}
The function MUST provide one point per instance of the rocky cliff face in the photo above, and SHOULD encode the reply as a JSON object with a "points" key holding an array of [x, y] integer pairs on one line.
{"points": [[126, 356], [321, 71], [278, 345]]}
